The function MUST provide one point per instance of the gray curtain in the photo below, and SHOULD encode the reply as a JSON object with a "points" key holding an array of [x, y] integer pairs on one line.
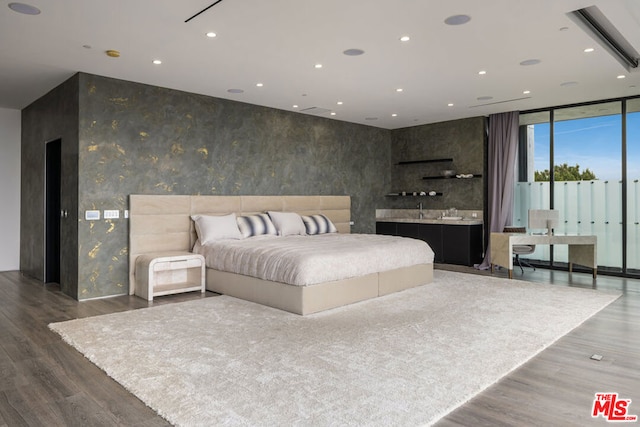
{"points": [[503, 144]]}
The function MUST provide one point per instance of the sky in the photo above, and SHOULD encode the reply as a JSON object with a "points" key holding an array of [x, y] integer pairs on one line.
{"points": [[593, 143]]}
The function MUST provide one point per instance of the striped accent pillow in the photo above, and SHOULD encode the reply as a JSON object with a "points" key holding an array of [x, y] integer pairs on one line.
{"points": [[256, 225], [318, 224]]}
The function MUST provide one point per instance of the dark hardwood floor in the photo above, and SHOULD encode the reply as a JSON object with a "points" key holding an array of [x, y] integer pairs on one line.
{"points": [[45, 382]]}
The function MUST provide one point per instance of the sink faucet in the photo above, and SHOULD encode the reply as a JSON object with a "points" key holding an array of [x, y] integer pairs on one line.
{"points": [[420, 214]]}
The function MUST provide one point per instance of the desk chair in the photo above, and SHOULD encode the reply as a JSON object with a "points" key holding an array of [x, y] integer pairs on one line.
{"points": [[521, 249]]}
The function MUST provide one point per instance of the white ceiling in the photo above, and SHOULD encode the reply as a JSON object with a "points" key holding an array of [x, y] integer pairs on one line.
{"points": [[278, 43]]}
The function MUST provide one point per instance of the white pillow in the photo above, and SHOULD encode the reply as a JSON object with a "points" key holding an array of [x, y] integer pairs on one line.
{"points": [[211, 228], [288, 223], [318, 224]]}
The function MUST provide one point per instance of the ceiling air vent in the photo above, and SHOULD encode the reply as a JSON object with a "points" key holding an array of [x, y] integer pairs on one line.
{"points": [[499, 102], [594, 23]]}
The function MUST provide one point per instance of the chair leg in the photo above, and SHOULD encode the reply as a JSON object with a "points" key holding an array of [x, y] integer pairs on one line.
{"points": [[520, 262], [526, 264]]}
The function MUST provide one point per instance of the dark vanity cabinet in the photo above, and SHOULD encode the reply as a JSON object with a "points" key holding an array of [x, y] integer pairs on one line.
{"points": [[387, 228], [432, 234], [452, 244], [462, 244]]}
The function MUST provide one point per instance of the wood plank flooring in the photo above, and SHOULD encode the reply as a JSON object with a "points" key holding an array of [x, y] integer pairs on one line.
{"points": [[45, 382]]}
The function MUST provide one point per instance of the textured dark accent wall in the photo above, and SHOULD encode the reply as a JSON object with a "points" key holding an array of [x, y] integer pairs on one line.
{"points": [[463, 141], [137, 139], [54, 116], [121, 138]]}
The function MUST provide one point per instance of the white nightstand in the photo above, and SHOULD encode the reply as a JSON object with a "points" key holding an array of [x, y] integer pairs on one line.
{"points": [[164, 273]]}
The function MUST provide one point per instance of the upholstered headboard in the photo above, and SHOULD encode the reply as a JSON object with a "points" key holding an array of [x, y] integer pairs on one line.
{"points": [[163, 223]]}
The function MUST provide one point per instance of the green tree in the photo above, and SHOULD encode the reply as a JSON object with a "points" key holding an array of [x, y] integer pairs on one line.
{"points": [[565, 172]]}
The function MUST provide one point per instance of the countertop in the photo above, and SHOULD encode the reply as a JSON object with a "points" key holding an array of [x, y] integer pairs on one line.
{"points": [[429, 216], [464, 221]]}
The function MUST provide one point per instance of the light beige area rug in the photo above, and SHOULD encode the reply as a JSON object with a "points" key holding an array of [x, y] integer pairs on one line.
{"points": [[405, 359]]}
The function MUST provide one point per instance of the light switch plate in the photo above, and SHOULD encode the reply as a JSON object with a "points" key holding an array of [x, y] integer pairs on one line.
{"points": [[111, 214], [91, 215]]}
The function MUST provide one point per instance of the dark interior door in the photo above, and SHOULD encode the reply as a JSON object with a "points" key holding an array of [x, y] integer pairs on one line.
{"points": [[52, 211]]}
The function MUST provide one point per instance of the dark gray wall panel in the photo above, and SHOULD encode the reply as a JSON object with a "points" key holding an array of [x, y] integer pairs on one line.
{"points": [[137, 139], [462, 140]]}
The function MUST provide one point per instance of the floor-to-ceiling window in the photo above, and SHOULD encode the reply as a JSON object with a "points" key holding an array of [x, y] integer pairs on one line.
{"points": [[534, 155], [573, 159], [633, 185]]}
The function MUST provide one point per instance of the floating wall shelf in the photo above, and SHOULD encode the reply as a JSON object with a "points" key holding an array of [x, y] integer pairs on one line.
{"points": [[412, 162], [452, 177], [411, 195]]}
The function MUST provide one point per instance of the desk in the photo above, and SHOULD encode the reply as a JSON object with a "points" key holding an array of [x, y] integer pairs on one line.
{"points": [[582, 249]]}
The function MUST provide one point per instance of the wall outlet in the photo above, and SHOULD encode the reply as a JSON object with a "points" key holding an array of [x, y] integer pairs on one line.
{"points": [[111, 214], [126, 213], [474, 215]]}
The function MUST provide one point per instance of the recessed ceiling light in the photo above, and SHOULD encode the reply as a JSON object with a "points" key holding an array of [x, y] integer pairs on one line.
{"points": [[530, 62], [25, 9], [371, 118], [113, 53], [450, 104], [259, 84], [211, 34], [318, 65], [294, 106], [157, 61], [526, 92], [333, 113], [621, 76], [564, 29], [339, 102], [484, 98], [457, 20], [86, 46], [589, 50], [353, 52], [405, 38], [235, 90], [394, 115], [482, 72], [568, 84], [399, 89]]}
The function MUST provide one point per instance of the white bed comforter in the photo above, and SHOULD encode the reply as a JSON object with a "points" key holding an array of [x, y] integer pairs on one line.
{"points": [[308, 260]]}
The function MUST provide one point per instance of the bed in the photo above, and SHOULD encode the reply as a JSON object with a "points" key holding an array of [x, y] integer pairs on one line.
{"points": [[164, 223]]}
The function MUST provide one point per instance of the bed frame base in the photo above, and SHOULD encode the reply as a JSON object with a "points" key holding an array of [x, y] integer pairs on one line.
{"points": [[324, 296]]}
